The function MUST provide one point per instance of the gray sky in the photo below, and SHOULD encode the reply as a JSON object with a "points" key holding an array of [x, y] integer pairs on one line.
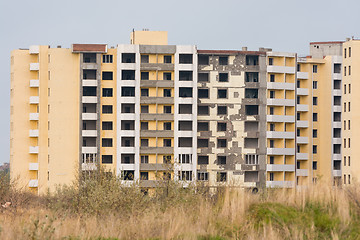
{"points": [[283, 25]]}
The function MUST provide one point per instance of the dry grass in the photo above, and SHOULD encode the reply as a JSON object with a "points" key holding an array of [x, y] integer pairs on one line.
{"points": [[100, 208]]}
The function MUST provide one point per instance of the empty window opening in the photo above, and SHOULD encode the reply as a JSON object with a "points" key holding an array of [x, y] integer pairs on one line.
{"points": [[251, 110], [185, 92], [167, 109], [251, 126], [203, 93], [223, 60], [127, 158], [203, 77], [144, 176], [106, 142], [337, 84], [89, 57], [107, 125], [221, 143], [251, 143], [337, 68], [221, 160], [127, 141], [167, 92], [337, 116], [128, 175], [253, 77], [203, 176], [144, 58], [251, 93], [203, 110], [185, 141], [203, 142], [223, 77], [167, 126], [107, 75], [222, 93], [144, 142], [128, 91], [252, 60], [167, 76], [185, 108], [221, 177], [144, 126], [107, 109], [203, 126], [107, 159], [251, 176], [185, 58], [337, 165], [203, 59], [107, 92], [144, 92], [89, 74], [127, 108], [128, 74], [89, 91], [221, 126], [144, 108], [203, 160], [144, 75], [222, 110], [167, 59], [127, 125], [167, 142], [185, 75], [128, 58], [185, 125]]}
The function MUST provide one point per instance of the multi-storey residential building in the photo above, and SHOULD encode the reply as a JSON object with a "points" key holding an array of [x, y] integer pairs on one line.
{"points": [[149, 111]]}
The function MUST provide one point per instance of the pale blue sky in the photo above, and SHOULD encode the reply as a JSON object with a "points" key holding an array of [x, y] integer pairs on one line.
{"points": [[283, 25]]}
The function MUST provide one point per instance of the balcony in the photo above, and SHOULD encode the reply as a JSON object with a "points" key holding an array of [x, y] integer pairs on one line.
{"points": [[281, 85], [34, 150], [302, 124], [33, 166], [154, 167], [88, 166], [34, 66], [336, 140], [302, 91], [302, 75], [157, 83], [34, 100], [280, 69], [34, 83], [89, 133], [280, 118], [302, 156], [34, 116], [156, 100], [281, 102], [157, 133], [336, 108], [275, 134], [127, 149], [34, 133], [89, 116], [302, 108], [302, 172], [280, 167], [336, 125], [157, 67], [337, 92], [302, 140], [337, 156], [33, 183], [89, 150], [90, 83], [337, 173], [280, 151], [34, 49], [89, 99], [158, 150], [154, 117], [280, 184]]}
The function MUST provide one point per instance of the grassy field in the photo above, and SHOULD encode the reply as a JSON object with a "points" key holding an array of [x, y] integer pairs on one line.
{"points": [[100, 208]]}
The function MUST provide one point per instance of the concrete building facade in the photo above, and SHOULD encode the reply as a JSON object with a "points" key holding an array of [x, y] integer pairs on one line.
{"points": [[150, 111]]}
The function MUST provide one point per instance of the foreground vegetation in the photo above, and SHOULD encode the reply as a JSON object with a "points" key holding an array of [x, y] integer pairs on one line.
{"points": [[98, 207]]}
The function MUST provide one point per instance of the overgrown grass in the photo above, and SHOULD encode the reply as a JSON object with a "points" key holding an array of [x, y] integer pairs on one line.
{"points": [[100, 207]]}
